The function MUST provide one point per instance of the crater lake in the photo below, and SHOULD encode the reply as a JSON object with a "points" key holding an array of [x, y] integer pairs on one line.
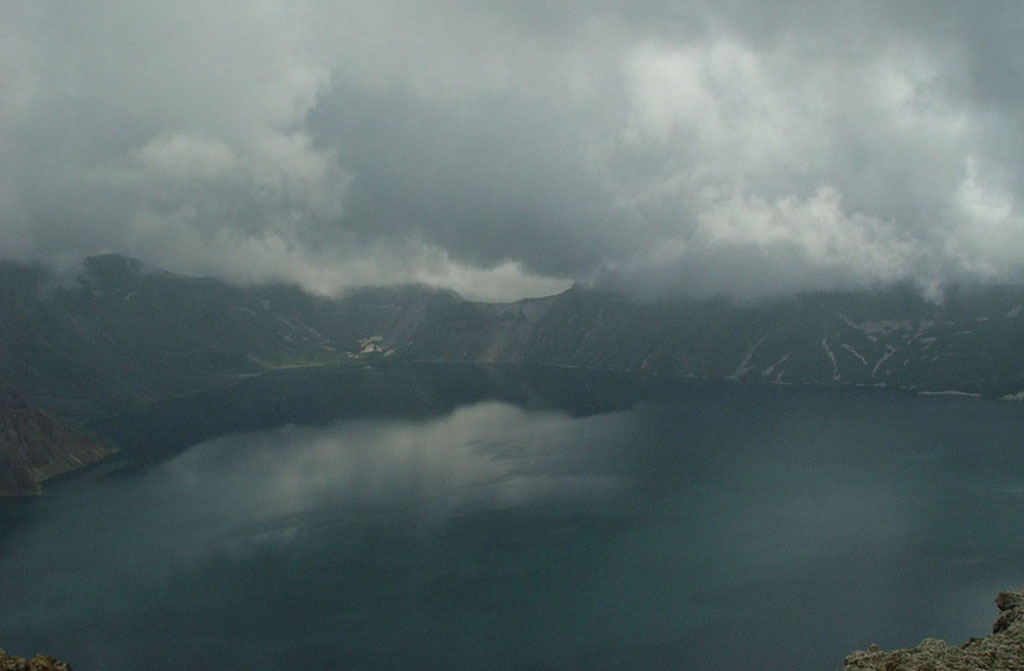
{"points": [[463, 517]]}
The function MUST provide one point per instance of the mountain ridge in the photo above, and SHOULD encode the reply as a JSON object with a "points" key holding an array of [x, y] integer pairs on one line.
{"points": [[122, 335]]}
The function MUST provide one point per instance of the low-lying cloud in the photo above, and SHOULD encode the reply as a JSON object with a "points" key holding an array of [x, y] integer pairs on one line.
{"points": [[509, 149]]}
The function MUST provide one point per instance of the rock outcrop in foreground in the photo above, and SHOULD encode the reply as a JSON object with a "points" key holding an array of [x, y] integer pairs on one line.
{"points": [[37, 663], [1004, 649]]}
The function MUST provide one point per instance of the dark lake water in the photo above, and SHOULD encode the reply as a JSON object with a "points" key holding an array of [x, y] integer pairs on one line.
{"points": [[462, 518]]}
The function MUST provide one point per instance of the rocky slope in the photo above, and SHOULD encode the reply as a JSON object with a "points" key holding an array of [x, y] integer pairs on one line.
{"points": [[1003, 650], [970, 343], [120, 335], [37, 663], [34, 446]]}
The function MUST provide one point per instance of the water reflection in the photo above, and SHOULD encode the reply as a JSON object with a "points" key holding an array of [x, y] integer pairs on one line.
{"points": [[722, 528], [487, 455]]}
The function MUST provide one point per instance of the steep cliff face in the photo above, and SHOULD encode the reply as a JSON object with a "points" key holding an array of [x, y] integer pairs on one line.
{"points": [[1003, 650], [34, 446]]}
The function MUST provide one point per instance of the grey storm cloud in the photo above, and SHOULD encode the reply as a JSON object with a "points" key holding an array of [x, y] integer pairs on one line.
{"points": [[510, 148]]}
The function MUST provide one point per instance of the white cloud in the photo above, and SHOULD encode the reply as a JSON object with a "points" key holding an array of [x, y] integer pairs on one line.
{"points": [[506, 147], [987, 240], [185, 156], [816, 232], [723, 110]]}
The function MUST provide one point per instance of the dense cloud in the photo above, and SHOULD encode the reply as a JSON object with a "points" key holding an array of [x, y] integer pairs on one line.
{"points": [[507, 149]]}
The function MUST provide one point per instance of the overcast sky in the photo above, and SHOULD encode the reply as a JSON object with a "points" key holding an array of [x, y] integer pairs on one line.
{"points": [[506, 149]]}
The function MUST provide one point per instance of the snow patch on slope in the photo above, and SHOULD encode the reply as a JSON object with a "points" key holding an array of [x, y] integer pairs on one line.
{"points": [[771, 369], [855, 353], [832, 356], [885, 357], [745, 366], [371, 344]]}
